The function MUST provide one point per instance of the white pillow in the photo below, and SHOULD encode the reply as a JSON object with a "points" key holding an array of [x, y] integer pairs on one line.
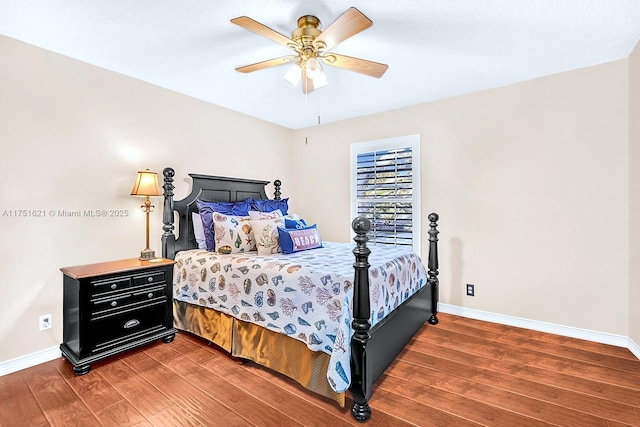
{"points": [[198, 230], [266, 234], [265, 215], [232, 234]]}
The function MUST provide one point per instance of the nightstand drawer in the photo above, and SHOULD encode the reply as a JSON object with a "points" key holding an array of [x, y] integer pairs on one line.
{"points": [[145, 279], [130, 325], [100, 287], [104, 306], [119, 284]]}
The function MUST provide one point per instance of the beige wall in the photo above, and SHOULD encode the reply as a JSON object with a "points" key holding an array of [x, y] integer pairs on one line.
{"points": [[634, 195], [530, 181], [72, 137]]}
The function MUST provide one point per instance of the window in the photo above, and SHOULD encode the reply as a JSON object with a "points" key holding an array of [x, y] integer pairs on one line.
{"points": [[385, 188]]}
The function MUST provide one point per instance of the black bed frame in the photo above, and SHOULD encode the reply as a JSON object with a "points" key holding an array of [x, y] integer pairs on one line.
{"points": [[372, 348]]}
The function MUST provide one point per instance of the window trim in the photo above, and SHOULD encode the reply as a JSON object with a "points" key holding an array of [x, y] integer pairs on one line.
{"points": [[411, 141]]}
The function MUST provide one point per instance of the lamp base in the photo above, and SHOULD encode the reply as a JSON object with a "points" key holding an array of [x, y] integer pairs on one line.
{"points": [[147, 254]]}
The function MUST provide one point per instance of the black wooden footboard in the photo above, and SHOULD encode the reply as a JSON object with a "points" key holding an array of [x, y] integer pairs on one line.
{"points": [[373, 349]]}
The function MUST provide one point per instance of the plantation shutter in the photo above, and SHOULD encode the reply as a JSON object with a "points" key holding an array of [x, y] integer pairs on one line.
{"points": [[384, 194]]}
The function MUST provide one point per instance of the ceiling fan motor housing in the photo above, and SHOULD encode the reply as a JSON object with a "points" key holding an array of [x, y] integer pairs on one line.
{"points": [[308, 30]]}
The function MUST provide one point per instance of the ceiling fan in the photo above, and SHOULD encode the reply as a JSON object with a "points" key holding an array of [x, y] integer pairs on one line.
{"points": [[311, 46]]}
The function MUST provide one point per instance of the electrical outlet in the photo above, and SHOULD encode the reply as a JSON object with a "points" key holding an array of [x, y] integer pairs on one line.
{"points": [[45, 322], [471, 290]]}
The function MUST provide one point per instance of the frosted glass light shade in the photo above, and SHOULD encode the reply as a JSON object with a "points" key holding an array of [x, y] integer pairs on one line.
{"points": [[293, 75]]}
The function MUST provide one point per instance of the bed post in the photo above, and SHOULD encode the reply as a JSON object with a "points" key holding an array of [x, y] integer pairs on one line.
{"points": [[433, 266], [276, 186], [168, 238], [360, 383]]}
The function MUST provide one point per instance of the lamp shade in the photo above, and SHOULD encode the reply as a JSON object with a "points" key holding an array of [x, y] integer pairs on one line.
{"points": [[146, 184]]}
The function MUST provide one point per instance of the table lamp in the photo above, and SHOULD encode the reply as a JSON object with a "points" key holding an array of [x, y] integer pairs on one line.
{"points": [[146, 185]]}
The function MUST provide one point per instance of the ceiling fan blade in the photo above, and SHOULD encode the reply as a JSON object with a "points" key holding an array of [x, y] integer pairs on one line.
{"points": [[266, 64], [307, 83], [258, 28], [362, 66], [348, 24]]}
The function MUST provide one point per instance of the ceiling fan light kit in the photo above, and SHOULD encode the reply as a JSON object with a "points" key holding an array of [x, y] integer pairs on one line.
{"points": [[293, 74], [311, 46]]}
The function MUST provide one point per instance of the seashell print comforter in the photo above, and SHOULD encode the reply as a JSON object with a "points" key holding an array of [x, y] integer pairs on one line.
{"points": [[306, 295]]}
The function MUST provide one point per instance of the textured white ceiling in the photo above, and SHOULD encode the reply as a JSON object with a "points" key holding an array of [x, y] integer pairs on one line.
{"points": [[435, 49]]}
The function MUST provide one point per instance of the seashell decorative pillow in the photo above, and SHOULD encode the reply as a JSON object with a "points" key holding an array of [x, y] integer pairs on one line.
{"points": [[265, 215], [233, 234], [266, 235], [206, 210]]}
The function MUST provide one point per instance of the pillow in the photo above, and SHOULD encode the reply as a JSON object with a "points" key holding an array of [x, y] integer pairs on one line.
{"points": [[266, 235], [292, 216], [232, 234], [265, 215], [198, 230], [294, 223], [206, 210], [270, 205], [296, 240]]}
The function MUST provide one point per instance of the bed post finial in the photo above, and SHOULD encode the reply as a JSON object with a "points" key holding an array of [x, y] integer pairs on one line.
{"points": [[360, 384], [168, 238], [276, 193], [433, 266]]}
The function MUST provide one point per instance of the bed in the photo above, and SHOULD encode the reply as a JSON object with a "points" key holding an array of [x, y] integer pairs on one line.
{"points": [[340, 338]]}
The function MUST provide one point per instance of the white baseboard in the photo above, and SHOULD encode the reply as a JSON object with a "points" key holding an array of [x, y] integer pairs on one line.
{"points": [[634, 348], [33, 359], [567, 331]]}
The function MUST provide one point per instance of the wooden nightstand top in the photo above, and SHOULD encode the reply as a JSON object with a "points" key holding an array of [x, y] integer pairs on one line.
{"points": [[119, 266]]}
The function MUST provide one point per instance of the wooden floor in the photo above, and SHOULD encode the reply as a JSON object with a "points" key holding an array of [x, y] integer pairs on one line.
{"points": [[461, 372]]}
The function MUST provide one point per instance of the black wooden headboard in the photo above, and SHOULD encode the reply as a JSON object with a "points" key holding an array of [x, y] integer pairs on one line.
{"points": [[207, 188]]}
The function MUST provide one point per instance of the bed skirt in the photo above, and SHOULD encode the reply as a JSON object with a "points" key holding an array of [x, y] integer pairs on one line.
{"points": [[246, 340]]}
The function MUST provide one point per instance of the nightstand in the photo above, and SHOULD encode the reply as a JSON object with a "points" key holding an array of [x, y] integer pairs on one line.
{"points": [[115, 306]]}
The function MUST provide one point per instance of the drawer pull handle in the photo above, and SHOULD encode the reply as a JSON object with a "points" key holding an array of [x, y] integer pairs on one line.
{"points": [[114, 303], [150, 279], [114, 286], [150, 295], [131, 323]]}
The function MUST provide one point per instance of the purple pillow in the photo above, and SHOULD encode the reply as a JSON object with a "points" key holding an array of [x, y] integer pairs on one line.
{"points": [[271, 205], [206, 210]]}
